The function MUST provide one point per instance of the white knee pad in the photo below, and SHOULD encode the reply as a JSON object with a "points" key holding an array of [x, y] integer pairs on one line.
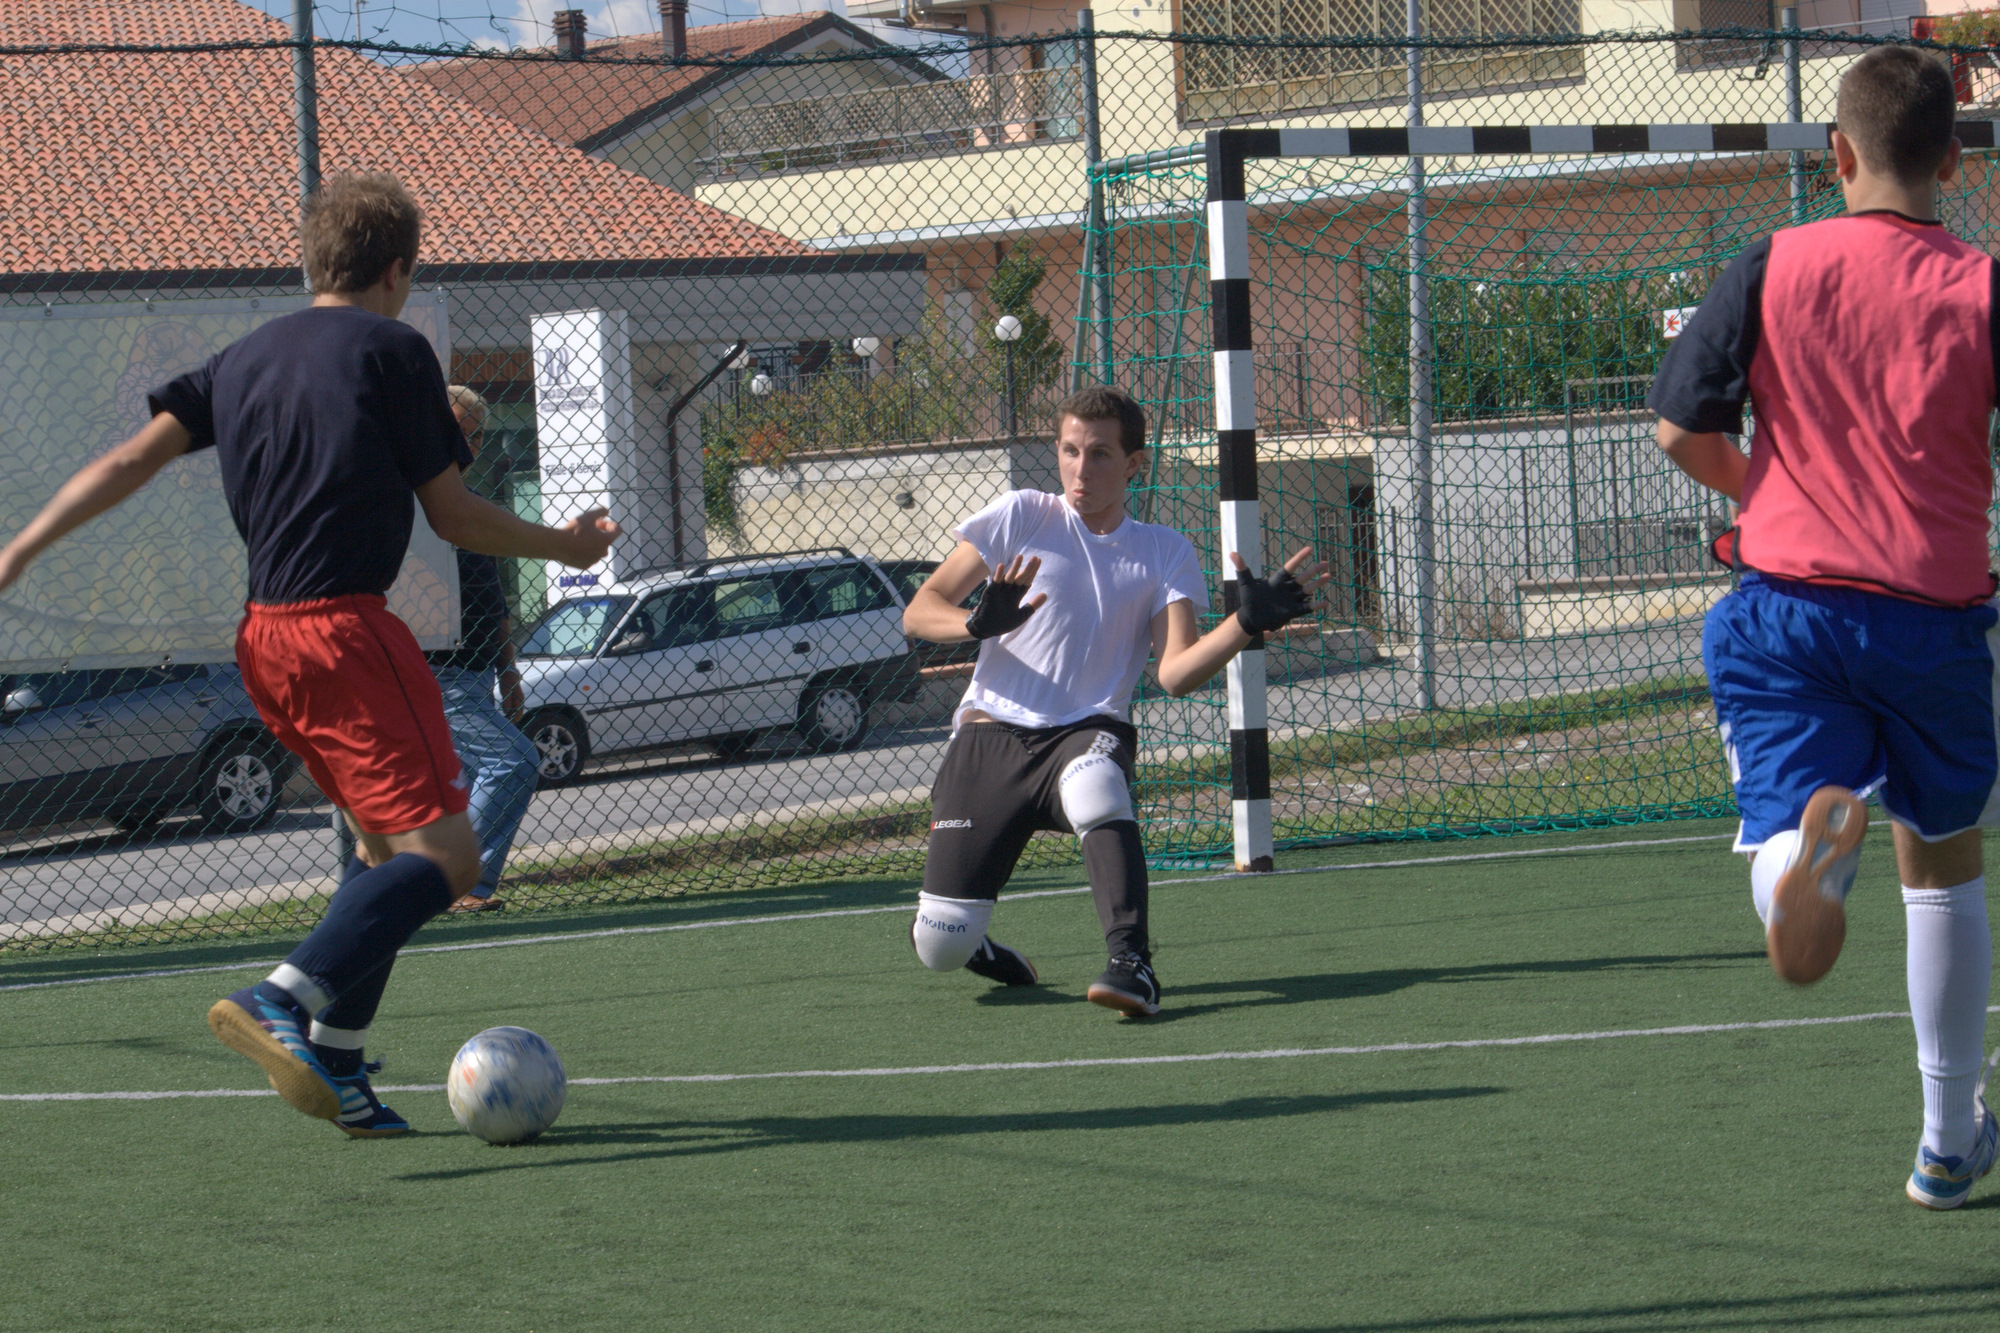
{"points": [[1094, 792], [1778, 854], [947, 930]]}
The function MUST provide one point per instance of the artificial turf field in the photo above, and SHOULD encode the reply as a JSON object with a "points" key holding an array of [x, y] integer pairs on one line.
{"points": [[1742, 1179]]}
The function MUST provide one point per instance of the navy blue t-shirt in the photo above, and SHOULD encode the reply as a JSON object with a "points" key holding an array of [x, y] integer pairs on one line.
{"points": [[325, 421], [482, 616]]}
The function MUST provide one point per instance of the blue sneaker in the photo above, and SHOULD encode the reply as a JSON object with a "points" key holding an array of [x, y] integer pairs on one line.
{"points": [[1943, 1182], [361, 1112], [273, 1034]]}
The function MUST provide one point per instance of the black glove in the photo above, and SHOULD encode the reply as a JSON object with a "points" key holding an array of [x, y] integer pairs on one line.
{"points": [[999, 611], [1270, 603]]}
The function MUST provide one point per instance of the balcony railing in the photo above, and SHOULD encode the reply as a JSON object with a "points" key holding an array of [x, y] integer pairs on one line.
{"points": [[891, 124]]}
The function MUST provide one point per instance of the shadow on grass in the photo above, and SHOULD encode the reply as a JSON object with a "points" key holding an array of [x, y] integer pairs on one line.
{"points": [[689, 1138], [1324, 986], [1895, 1307]]}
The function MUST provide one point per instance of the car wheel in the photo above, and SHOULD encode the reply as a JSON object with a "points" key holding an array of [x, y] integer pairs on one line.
{"points": [[243, 783], [563, 744], [834, 716]]}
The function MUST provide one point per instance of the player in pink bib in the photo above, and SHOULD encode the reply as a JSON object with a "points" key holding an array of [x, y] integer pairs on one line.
{"points": [[1857, 658]]}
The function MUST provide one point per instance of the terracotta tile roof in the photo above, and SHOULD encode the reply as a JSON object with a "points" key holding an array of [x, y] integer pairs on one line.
{"points": [[186, 160], [584, 102]]}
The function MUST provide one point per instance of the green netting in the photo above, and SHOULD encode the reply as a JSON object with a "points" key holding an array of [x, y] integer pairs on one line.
{"points": [[1570, 561]]}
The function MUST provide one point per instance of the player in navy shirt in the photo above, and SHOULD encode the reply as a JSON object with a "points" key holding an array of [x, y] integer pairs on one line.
{"points": [[330, 425]]}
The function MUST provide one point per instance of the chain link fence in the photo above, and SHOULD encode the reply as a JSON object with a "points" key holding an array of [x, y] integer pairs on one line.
{"points": [[792, 300]]}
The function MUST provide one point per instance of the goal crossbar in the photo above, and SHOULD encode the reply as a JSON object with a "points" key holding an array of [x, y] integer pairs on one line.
{"points": [[1227, 215]]}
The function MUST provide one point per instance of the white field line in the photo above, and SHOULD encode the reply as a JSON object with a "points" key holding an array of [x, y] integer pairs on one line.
{"points": [[618, 931], [1021, 1066]]}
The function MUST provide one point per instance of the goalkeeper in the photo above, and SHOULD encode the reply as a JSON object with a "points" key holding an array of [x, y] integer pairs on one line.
{"points": [[1042, 739]]}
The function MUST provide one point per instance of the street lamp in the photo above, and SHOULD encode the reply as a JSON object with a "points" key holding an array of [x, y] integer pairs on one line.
{"points": [[865, 348], [1008, 330], [760, 384]]}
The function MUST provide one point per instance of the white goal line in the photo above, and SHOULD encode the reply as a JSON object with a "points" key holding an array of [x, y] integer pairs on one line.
{"points": [[1026, 1066], [780, 918]]}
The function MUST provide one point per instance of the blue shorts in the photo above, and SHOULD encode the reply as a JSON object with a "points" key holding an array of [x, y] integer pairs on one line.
{"points": [[1818, 686]]}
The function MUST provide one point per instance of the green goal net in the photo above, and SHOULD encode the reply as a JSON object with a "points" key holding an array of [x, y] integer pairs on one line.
{"points": [[1554, 678]]}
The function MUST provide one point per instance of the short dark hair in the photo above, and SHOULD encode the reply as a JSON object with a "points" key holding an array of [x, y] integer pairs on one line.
{"points": [[1101, 402], [355, 227], [1897, 104]]}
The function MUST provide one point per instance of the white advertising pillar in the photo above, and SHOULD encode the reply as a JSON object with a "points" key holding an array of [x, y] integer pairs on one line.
{"points": [[584, 429]]}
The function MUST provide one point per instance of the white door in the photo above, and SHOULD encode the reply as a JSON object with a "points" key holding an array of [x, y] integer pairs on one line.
{"points": [[758, 652], [659, 679]]}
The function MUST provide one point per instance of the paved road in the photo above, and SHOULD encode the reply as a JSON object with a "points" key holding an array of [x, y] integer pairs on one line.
{"points": [[177, 870]]}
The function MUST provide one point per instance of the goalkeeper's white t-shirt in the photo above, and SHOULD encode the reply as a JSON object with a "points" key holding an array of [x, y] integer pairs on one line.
{"points": [[1081, 654]]}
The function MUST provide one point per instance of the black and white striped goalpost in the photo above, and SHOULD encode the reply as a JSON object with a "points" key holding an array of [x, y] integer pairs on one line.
{"points": [[1236, 380]]}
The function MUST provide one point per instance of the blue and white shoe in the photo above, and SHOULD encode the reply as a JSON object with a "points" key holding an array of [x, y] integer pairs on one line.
{"points": [[361, 1112], [1943, 1182], [273, 1034]]}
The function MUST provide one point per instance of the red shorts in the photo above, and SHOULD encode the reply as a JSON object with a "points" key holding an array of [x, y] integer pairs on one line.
{"points": [[342, 684]]}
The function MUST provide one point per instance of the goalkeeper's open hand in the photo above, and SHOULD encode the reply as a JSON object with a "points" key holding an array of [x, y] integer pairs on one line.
{"points": [[1268, 604], [1000, 609]]}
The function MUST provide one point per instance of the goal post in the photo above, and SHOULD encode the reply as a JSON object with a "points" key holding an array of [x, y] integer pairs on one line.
{"points": [[1228, 202]]}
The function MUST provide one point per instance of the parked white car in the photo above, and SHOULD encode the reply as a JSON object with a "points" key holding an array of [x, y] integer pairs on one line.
{"points": [[718, 651]]}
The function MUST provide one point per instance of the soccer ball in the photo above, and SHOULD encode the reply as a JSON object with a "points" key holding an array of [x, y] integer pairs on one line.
{"points": [[506, 1085]]}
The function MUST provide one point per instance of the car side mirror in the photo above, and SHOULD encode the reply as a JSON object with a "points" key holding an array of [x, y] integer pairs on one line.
{"points": [[22, 700]]}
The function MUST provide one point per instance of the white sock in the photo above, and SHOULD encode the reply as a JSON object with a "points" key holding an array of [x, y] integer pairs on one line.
{"points": [[1950, 972], [300, 987]]}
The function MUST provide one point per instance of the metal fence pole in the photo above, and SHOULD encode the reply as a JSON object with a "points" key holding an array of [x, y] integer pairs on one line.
{"points": [[1794, 112], [1420, 387], [1241, 515], [1099, 247], [305, 98]]}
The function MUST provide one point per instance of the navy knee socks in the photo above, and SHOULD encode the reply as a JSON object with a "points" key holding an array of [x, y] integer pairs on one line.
{"points": [[372, 915]]}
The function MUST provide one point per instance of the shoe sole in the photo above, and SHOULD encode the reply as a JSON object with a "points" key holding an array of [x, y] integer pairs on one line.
{"points": [[1034, 978], [354, 1133], [1808, 928], [1132, 1006], [295, 1082], [1936, 1205]]}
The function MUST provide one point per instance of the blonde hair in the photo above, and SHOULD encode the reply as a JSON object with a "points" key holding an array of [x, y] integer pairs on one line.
{"points": [[469, 400]]}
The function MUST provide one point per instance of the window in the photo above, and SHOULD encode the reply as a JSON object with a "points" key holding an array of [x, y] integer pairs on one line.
{"points": [[1224, 83], [50, 689], [674, 619], [1703, 15], [575, 628], [747, 606], [844, 590]]}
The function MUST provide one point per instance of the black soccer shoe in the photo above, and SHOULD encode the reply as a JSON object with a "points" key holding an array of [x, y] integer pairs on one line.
{"points": [[1128, 986], [996, 962]]}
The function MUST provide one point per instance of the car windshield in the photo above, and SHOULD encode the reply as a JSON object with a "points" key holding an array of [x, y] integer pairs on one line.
{"points": [[575, 628]]}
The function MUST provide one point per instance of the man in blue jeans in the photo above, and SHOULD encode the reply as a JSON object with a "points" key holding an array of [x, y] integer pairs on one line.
{"points": [[499, 761]]}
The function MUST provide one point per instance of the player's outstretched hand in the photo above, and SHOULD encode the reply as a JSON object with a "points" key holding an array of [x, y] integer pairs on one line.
{"points": [[1271, 603], [1000, 609], [591, 534]]}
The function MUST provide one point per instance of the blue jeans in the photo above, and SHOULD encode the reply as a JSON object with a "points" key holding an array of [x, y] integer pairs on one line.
{"points": [[500, 766], [499, 761]]}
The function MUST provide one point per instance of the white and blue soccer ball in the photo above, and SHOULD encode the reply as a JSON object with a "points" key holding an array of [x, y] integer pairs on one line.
{"points": [[506, 1085]]}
